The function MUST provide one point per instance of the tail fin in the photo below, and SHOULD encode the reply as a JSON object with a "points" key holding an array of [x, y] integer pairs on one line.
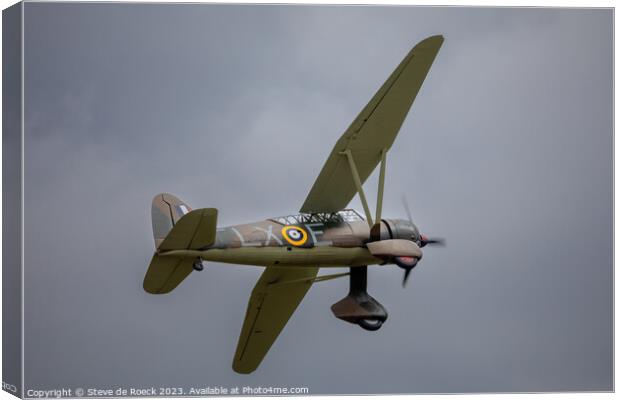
{"points": [[176, 227], [166, 210]]}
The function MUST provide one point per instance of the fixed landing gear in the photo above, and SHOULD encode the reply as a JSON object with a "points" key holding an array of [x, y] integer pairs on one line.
{"points": [[359, 307]]}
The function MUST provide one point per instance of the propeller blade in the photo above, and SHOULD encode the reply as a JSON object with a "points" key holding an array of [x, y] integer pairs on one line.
{"points": [[407, 210], [425, 240], [406, 276]]}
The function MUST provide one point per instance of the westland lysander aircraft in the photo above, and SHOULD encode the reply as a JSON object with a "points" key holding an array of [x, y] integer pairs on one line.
{"points": [[324, 234]]}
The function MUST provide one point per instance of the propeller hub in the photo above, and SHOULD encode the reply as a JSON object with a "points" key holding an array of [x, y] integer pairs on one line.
{"points": [[406, 261], [423, 240]]}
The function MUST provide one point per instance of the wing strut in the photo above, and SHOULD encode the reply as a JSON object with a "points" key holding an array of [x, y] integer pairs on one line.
{"points": [[380, 187], [360, 190], [358, 185], [374, 129]]}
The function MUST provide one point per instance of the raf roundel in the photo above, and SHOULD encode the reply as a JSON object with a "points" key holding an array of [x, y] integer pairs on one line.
{"points": [[294, 235]]}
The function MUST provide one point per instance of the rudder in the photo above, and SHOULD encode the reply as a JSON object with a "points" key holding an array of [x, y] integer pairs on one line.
{"points": [[166, 210]]}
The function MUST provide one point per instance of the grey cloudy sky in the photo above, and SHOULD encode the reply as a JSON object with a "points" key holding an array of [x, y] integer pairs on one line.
{"points": [[507, 153]]}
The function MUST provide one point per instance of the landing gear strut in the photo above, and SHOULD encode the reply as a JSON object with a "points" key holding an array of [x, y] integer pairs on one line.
{"points": [[359, 307]]}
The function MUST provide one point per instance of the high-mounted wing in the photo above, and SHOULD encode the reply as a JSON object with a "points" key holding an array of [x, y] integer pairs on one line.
{"points": [[275, 297], [372, 132]]}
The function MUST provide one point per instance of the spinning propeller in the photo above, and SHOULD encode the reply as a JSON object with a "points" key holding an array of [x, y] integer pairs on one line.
{"points": [[408, 263]]}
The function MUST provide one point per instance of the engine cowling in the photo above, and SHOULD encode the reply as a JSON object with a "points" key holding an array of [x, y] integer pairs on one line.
{"points": [[398, 251], [402, 252], [401, 229]]}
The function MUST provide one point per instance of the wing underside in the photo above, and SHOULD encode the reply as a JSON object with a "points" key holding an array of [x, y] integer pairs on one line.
{"points": [[274, 299], [373, 131]]}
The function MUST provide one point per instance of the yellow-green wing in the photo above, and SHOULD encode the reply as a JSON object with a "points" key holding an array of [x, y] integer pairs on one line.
{"points": [[374, 129], [274, 299], [166, 273]]}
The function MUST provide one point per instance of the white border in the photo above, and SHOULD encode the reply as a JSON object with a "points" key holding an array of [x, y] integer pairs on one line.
{"points": [[21, 211], [478, 3]]}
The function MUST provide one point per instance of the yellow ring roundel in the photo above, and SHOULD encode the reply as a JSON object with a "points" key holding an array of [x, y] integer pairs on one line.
{"points": [[295, 235]]}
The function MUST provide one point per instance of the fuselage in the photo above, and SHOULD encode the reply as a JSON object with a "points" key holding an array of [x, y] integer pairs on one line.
{"points": [[334, 240]]}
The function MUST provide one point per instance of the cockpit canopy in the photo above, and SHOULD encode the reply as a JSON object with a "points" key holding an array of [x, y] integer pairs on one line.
{"points": [[347, 215]]}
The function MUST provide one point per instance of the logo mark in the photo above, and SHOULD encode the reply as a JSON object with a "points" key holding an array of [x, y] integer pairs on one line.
{"points": [[9, 387], [295, 235]]}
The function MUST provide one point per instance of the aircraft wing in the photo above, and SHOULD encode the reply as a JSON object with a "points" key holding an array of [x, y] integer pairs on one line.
{"points": [[374, 129], [274, 299]]}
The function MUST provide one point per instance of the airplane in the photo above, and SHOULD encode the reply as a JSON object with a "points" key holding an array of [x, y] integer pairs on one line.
{"points": [[324, 234]]}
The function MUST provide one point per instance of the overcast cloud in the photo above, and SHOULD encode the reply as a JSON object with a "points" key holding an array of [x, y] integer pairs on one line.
{"points": [[507, 153]]}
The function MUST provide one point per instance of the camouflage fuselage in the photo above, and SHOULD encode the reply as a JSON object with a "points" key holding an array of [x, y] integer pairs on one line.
{"points": [[313, 243]]}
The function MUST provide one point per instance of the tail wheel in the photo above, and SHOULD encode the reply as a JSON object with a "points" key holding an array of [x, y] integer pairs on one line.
{"points": [[198, 265]]}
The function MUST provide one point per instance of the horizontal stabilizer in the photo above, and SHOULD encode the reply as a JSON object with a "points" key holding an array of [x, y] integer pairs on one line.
{"points": [[165, 273], [176, 227], [194, 231]]}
